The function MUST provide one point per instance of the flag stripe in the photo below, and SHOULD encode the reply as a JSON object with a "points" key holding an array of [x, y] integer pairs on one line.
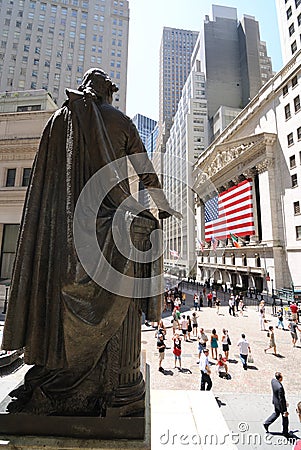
{"points": [[230, 212]]}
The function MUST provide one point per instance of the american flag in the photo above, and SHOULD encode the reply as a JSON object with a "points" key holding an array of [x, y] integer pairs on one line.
{"points": [[230, 212]]}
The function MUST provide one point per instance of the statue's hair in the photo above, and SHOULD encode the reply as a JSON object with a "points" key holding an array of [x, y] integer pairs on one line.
{"points": [[88, 76]]}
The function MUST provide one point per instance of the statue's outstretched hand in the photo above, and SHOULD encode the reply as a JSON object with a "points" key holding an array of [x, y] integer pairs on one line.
{"points": [[170, 212]]}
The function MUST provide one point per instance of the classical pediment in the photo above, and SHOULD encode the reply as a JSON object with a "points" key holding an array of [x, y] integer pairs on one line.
{"points": [[226, 158]]}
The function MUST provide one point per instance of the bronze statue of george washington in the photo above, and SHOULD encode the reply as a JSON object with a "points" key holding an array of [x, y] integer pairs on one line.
{"points": [[79, 324]]}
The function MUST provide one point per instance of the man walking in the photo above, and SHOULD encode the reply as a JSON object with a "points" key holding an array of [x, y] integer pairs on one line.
{"points": [[280, 405], [205, 371], [244, 349]]}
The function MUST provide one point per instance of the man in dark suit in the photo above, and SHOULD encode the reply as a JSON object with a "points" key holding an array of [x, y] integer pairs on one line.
{"points": [[280, 405]]}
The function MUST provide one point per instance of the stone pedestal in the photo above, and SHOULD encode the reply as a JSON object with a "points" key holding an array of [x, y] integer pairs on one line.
{"points": [[29, 432]]}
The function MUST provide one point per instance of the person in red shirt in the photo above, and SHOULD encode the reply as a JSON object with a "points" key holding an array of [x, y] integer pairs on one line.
{"points": [[294, 311], [209, 299]]}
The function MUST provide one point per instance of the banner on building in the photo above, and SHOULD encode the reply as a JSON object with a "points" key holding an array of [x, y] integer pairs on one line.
{"points": [[230, 212]]}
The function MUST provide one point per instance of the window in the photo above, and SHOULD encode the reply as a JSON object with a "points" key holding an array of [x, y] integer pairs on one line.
{"points": [[290, 139], [26, 176], [287, 111], [295, 81], [296, 208], [297, 103], [298, 232], [10, 177], [9, 244], [291, 29], [292, 161], [294, 47], [289, 13], [299, 133], [299, 19], [294, 180], [297, 3]]}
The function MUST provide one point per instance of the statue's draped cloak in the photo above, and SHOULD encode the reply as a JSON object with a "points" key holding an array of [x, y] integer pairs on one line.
{"points": [[54, 307]]}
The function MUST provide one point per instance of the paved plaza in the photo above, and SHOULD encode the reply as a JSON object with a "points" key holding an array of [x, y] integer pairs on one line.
{"points": [[245, 399]]}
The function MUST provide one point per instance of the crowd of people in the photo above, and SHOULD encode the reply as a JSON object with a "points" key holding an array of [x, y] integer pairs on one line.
{"points": [[214, 349]]}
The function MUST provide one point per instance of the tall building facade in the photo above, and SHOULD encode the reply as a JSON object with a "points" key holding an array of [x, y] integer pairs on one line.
{"points": [[49, 45], [236, 63], [289, 22], [175, 64], [229, 66], [188, 139], [145, 127], [260, 148]]}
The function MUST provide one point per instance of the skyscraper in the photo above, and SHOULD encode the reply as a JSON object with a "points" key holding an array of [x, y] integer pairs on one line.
{"points": [[49, 45], [175, 54], [235, 60], [145, 127], [289, 22], [175, 64]]}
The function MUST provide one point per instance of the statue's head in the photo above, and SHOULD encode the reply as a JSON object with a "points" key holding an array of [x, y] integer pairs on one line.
{"points": [[99, 82]]}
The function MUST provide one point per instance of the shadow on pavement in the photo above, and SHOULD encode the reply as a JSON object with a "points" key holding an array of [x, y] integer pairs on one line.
{"points": [[219, 402]]}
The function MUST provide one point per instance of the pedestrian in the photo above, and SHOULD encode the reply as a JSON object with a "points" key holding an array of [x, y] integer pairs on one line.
{"points": [[280, 405], [214, 343], [262, 316], [176, 319], [184, 327], [161, 329], [244, 350], [241, 307], [217, 304], [205, 371], [298, 411], [202, 341], [177, 341], [280, 319], [222, 366], [293, 327], [231, 305], [294, 310], [226, 341], [189, 328], [196, 301], [209, 299], [214, 296], [272, 343], [177, 303], [237, 298], [183, 298], [161, 348], [194, 324]]}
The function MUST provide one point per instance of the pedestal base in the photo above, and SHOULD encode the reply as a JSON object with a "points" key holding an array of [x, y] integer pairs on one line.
{"points": [[25, 431]]}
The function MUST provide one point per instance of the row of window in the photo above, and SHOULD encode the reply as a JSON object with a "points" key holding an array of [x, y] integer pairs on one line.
{"points": [[289, 11], [292, 158], [294, 83], [290, 137], [11, 177], [287, 108]]}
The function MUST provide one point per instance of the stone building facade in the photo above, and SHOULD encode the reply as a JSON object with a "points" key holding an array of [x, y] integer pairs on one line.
{"points": [[262, 144]]}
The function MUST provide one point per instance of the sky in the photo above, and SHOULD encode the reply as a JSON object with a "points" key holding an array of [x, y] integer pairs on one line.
{"points": [[147, 19]]}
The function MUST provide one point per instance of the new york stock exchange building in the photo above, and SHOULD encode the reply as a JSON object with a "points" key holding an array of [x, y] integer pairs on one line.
{"points": [[248, 189]]}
